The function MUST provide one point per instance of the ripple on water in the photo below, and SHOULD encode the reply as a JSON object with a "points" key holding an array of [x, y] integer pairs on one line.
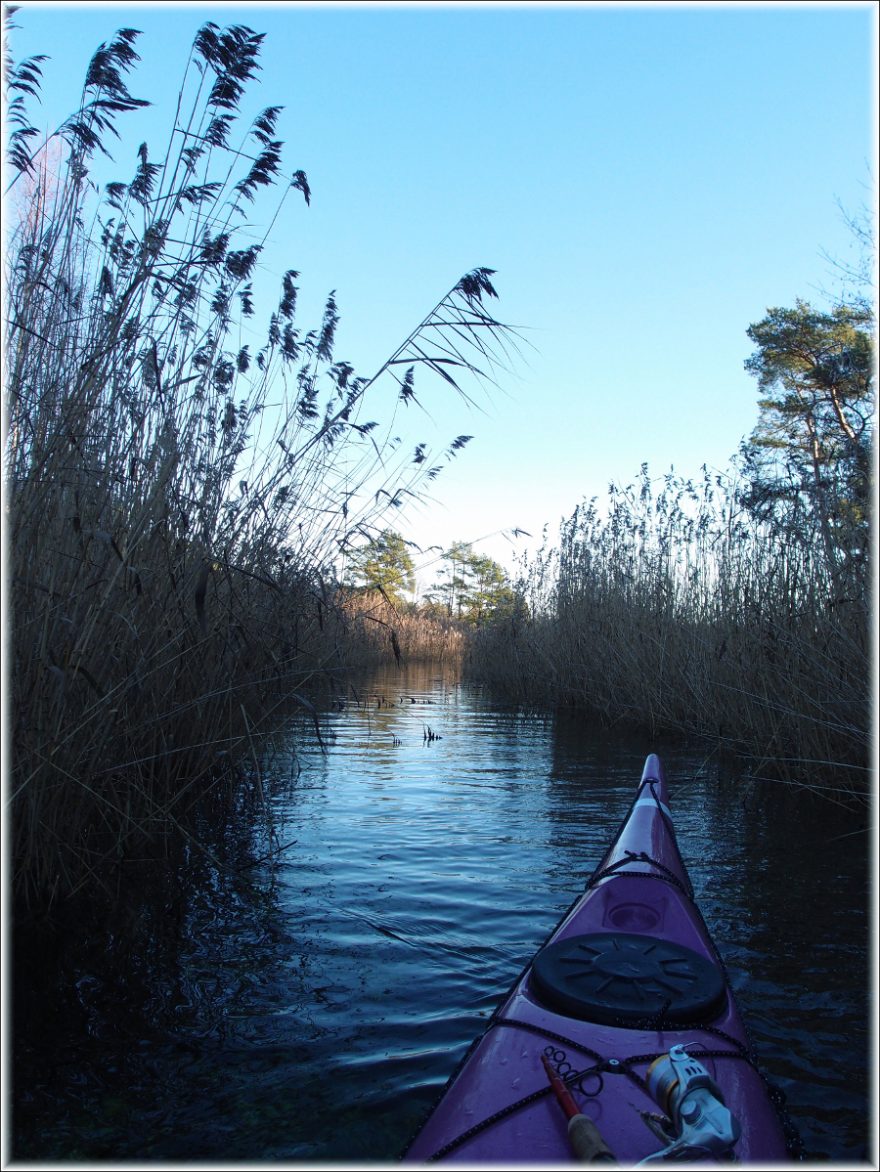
{"points": [[354, 969]]}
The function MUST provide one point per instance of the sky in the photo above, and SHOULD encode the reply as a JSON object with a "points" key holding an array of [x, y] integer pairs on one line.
{"points": [[646, 181]]}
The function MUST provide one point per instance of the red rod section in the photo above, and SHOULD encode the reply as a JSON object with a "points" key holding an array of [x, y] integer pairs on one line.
{"points": [[569, 1106]]}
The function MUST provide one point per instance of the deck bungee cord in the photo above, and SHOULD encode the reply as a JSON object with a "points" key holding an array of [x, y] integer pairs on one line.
{"points": [[573, 1078]]}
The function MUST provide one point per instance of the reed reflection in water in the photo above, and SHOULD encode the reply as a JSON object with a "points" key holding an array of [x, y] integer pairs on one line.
{"points": [[448, 861], [313, 1006]]}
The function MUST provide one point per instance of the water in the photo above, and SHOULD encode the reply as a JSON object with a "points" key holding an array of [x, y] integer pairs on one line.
{"points": [[309, 1008]]}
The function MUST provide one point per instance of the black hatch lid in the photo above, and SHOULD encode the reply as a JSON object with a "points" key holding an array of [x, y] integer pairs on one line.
{"points": [[619, 978]]}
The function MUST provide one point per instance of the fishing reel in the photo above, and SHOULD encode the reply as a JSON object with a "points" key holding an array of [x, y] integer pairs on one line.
{"points": [[695, 1124]]}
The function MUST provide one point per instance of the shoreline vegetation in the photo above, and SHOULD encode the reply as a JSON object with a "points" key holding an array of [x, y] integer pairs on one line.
{"points": [[736, 607], [179, 504], [176, 495], [677, 612]]}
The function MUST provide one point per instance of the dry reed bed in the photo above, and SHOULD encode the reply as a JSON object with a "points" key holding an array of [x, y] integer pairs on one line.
{"points": [[676, 611], [179, 481], [375, 629]]}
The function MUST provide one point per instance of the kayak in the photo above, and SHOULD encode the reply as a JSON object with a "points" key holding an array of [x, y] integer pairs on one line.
{"points": [[620, 1042]]}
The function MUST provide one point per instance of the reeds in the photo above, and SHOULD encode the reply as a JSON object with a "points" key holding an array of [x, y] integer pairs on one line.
{"points": [[375, 629], [675, 608], [179, 480]]}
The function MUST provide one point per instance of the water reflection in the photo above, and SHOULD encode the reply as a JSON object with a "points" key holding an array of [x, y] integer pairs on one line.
{"points": [[349, 971]]}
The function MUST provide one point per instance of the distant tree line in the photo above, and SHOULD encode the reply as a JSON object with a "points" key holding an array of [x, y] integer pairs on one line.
{"points": [[469, 586]]}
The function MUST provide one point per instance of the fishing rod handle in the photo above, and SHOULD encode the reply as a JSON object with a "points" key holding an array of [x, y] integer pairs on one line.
{"points": [[587, 1143]]}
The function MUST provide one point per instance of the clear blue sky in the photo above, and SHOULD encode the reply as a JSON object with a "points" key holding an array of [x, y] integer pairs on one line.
{"points": [[646, 180]]}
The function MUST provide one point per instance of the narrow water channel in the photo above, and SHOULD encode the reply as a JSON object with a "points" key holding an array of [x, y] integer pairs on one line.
{"points": [[309, 1007]]}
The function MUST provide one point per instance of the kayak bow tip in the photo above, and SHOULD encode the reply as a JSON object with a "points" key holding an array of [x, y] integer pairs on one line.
{"points": [[653, 770]]}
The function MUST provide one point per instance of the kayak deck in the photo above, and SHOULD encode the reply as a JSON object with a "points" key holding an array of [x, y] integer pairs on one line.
{"points": [[629, 972]]}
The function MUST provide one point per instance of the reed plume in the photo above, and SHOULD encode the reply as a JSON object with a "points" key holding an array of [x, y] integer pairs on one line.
{"points": [[180, 480]]}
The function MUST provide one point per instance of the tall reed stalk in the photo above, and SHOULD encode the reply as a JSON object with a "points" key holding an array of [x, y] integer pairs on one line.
{"points": [[179, 481], [676, 609]]}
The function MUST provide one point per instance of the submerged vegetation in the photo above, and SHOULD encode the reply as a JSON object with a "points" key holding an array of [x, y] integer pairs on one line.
{"points": [[179, 479]]}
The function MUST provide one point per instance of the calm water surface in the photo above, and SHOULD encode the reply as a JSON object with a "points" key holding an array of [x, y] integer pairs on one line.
{"points": [[309, 1007]]}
